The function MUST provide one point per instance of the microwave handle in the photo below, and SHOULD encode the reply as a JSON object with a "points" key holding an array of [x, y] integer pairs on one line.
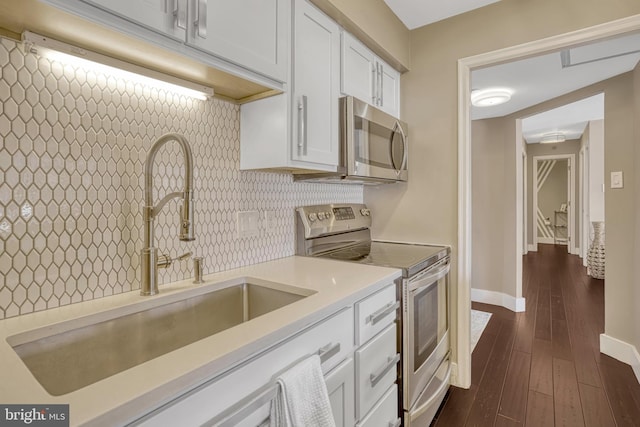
{"points": [[406, 148], [397, 128], [302, 126]]}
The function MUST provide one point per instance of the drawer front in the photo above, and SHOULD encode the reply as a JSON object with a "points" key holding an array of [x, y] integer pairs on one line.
{"points": [[200, 405], [375, 313], [424, 410], [385, 413], [376, 370]]}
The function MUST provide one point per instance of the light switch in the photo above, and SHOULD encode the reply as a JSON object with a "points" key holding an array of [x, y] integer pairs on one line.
{"points": [[616, 180]]}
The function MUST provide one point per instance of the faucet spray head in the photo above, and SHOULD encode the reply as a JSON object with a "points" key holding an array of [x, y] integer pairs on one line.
{"points": [[186, 217]]}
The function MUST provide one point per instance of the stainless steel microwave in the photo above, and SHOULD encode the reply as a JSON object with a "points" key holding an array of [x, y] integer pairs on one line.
{"points": [[373, 147]]}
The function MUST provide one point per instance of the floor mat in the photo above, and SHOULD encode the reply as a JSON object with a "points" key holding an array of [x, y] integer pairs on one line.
{"points": [[479, 320]]}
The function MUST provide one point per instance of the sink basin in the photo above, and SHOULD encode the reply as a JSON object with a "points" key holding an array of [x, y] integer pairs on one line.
{"points": [[89, 350]]}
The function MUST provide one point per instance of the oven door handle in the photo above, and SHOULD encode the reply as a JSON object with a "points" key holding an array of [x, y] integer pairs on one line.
{"points": [[425, 281]]}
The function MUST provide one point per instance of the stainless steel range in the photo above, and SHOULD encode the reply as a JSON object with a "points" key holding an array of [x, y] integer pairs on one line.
{"points": [[342, 232]]}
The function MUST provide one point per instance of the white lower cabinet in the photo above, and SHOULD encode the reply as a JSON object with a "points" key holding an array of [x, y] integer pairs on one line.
{"points": [[360, 381], [220, 397], [341, 390], [377, 359]]}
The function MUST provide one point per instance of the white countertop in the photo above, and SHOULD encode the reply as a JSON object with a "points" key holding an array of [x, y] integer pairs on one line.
{"points": [[135, 391]]}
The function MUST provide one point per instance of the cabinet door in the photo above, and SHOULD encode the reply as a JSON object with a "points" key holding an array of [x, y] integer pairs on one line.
{"points": [[389, 90], [250, 33], [358, 70], [340, 387], [316, 86], [168, 17]]}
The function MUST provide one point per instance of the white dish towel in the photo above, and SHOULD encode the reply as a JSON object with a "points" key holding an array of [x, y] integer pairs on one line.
{"points": [[302, 399]]}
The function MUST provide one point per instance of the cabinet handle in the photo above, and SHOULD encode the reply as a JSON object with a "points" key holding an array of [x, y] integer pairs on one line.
{"points": [[381, 313], [377, 376], [379, 68], [302, 126], [395, 423], [328, 351], [381, 85], [200, 18], [374, 83], [179, 12]]}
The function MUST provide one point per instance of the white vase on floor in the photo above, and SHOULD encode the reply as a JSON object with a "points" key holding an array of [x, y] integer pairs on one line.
{"points": [[595, 256]]}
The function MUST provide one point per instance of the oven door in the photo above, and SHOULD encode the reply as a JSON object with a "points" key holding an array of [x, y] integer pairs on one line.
{"points": [[426, 328]]}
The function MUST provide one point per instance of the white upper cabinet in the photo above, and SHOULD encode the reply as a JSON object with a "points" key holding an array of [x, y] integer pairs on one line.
{"points": [[298, 130], [168, 17], [389, 90], [251, 33], [316, 79], [368, 77], [358, 70]]}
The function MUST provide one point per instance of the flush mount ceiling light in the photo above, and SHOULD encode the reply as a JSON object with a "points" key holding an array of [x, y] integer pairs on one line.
{"points": [[490, 97], [552, 138], [76, 56]]}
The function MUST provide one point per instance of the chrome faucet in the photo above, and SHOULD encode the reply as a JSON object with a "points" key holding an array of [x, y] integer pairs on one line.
{"points": [[149, 254]]}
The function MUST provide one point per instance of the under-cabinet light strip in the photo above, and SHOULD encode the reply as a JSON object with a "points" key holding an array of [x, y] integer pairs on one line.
{"points": [[73, 55]]}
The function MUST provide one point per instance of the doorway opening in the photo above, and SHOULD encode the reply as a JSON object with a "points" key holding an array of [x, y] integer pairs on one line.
{"points": [[465, 211], [554, 192]]}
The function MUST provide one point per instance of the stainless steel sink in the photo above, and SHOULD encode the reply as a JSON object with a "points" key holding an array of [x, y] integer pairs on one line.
{"points": [[87, 352]]}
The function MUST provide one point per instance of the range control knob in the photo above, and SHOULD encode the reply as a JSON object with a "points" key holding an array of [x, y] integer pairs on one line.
{"points": [[328, 215], [365, 212], [320, 216], [313, 217]]}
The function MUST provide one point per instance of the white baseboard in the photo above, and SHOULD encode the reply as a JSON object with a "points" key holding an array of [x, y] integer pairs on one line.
{"points": [[498, 298], [533, 248], [622, 351]]}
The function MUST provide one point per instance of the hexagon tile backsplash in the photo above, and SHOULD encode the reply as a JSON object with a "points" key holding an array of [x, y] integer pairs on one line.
{"points": [[74, 144]]}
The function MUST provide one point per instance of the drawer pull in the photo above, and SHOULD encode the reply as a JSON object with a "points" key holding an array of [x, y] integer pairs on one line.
{"points": [[395, 423], [377, 376], [380, 314], [328, 351]]}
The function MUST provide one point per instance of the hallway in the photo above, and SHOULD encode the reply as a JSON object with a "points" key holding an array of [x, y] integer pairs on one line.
{"points": [[543, 367]]}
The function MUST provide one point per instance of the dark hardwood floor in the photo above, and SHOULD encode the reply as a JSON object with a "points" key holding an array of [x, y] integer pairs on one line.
{"points": [[543, 367]]}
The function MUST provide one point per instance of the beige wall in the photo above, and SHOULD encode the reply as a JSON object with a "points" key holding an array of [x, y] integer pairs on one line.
{"points": [[425, 209], [620, 215], [489, 159]]}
